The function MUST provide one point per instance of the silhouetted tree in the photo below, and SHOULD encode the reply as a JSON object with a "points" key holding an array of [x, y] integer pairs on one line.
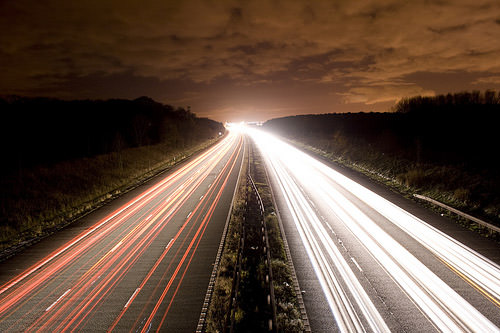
{"points": [[37, 131]]}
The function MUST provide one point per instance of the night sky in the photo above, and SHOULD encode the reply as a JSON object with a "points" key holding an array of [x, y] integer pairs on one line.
{"points": [[253, 60]]}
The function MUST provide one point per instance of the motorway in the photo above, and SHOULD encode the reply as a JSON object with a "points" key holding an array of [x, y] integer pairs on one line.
{"points": [[367, 265], [141, 263]]}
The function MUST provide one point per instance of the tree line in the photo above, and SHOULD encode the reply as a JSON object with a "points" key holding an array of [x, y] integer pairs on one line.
{"points": [[36, 131], [457, 102], [459, 129]]}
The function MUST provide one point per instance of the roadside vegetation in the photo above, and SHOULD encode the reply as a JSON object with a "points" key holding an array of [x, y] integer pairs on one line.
{"points": [[248, 275], [443, 147], [219, 308], [65, 158], [287, 309]]}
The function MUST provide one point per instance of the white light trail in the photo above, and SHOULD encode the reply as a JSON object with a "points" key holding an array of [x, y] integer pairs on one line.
{"points": [[320, 248], [475, 268], [448, 311]]}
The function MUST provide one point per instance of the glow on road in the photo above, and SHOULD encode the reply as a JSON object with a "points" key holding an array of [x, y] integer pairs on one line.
{"points": [[296, 173]]}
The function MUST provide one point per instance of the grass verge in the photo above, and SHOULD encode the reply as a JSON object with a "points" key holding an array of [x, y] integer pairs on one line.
{"points": [[41, 200], [287, 308], [218, 310]]}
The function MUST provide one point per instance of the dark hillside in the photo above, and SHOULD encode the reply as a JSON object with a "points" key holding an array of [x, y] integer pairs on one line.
{"points": [[63, 158], [40, 130]]}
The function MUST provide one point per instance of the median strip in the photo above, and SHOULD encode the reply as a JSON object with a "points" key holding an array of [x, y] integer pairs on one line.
{"points": [[254, 285]]}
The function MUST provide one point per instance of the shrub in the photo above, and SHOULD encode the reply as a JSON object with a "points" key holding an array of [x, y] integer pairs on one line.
{"points": [[462, 195]]}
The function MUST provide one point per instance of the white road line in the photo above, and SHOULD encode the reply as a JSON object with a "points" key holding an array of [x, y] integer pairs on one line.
{"points": [[189, 215], [95, 280], [131, 297], [169, 243], [356, 263], [116, 246], [60, 297], [94, 229]]}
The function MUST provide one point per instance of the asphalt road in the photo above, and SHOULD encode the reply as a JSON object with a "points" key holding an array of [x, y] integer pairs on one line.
{"points": [[366, 263], [141, 263]]}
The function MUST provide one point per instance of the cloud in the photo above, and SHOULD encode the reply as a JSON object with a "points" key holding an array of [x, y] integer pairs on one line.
{"points": [[383, 92], [495, 80], [362, 50]]}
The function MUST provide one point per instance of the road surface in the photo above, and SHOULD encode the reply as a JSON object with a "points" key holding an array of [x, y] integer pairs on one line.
{"points": [[365, 264], [142, 263]]}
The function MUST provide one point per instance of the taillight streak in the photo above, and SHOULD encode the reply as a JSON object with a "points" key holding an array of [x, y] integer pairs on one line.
{"points": [[133, 255], [65, 256]]}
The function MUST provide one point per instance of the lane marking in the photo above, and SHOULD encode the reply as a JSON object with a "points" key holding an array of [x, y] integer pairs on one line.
{"points": [[356, 263], [166, 247], [60, 297], [189, 215], [97, 278], [131, 298], [471, 283], [116, 246]]}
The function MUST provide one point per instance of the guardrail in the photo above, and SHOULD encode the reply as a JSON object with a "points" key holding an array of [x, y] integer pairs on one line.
{"points": [[271, 301], [487, 225], [295, 281]]}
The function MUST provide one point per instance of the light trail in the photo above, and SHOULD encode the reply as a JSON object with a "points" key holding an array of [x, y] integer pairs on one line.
{"points": [[136, 204], [320, 249], [199, 208], [68, 288], [481, 272], [298, 174]]}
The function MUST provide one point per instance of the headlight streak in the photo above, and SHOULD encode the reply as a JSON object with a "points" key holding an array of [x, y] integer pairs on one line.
{"points": [[478, 270], [314, 237], [310, 228], [447, 310], [84, 293]]}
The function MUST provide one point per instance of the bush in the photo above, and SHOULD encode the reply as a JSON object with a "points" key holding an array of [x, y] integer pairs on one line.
{"points": [[462, 195], [413, 178]]}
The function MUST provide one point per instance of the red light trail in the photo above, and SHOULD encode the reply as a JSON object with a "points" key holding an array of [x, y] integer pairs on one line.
{"points": [[137, 257]]}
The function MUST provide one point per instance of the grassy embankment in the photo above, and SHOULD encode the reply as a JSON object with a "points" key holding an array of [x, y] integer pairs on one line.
{"points": [[47, 198], [64, 158], [445, 183], [440, 147], [288, 315]]}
